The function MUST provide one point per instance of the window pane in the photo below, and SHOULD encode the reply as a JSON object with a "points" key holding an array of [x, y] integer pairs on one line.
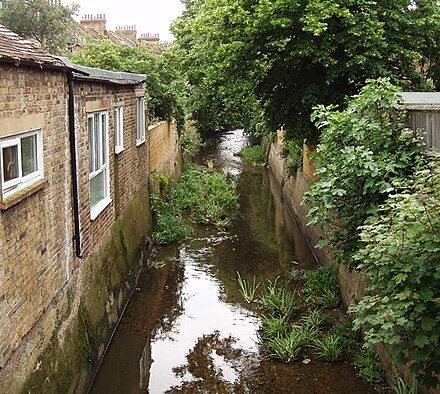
{"points": [[104, 137], [91, 144], [10, 163], [117, 126], [96, 142], [29, 155], [97, 188]]}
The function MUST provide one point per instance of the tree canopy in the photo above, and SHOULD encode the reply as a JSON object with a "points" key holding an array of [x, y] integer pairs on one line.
{"points": [[283, 57], [166, 88], [47, 23]]}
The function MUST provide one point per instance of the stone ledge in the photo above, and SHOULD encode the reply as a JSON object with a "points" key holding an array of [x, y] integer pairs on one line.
{"points": [[23, 194]]}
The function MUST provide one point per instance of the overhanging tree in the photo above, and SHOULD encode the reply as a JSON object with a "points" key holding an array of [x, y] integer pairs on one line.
{"points": [[290, 55]]}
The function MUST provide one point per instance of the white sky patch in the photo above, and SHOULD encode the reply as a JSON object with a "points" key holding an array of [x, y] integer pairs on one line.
{"points": [[149, 16]]}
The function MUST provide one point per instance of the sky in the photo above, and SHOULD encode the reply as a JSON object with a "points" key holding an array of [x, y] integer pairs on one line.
{"points": [[149, 16]]}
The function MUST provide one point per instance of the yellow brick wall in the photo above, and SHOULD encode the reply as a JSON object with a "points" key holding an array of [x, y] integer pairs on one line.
{"points": [[163, 139], [35, 234]]}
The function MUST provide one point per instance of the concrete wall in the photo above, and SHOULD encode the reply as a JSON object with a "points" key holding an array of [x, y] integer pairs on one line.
{"points": [[293, 188]]}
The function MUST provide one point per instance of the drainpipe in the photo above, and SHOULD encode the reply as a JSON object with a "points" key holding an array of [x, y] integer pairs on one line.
{"points": [[76, 235]]}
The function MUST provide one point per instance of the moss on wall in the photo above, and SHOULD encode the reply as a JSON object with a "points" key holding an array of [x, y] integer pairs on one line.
{"points": [[91, 304]]}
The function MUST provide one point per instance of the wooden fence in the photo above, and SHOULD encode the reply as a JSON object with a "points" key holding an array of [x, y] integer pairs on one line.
{"points": [[429, 121]]}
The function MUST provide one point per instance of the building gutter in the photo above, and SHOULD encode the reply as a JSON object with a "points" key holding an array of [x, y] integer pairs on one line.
{"points": [[72, 138]]}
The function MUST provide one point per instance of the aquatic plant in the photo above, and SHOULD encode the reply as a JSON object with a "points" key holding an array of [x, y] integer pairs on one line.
{"points": [[329, 348], [279, 301], [331, 298], [400, 386], [315, 318], [156, 264], [285, 348], [369, 366], [274, 327], [248, 289], [208, 198], [253, 154]]}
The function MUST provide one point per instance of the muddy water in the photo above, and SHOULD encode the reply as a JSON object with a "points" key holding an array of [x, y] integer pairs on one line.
{"points": [[186, 329]]}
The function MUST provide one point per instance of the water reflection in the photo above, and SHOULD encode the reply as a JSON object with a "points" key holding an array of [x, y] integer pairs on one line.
{"points": [[187, 330]]}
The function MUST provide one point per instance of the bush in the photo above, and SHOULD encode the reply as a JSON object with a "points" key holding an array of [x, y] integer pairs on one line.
{"points": [[370, 368], [363, 152], [400, 254]]}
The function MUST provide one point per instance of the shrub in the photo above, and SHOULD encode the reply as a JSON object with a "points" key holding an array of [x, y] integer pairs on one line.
{"points": [[329, 348], [363, 151], [400, 256], [370, 368]]}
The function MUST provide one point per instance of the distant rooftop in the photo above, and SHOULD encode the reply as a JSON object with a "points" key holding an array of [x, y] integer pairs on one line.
{"points": [[19, 50], [421, 100]]}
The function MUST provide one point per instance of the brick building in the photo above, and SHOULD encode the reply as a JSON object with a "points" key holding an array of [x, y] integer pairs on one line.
{"points": [[74, 212]]}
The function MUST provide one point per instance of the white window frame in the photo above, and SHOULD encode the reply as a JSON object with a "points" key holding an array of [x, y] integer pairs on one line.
{"points": [[21, 182], [100, 164], [140, 120], [119, 128]]}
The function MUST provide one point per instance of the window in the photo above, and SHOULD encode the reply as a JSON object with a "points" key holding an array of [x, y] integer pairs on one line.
{"points": [[99, 168], [119, 129], [22, 161], [140, 120]]}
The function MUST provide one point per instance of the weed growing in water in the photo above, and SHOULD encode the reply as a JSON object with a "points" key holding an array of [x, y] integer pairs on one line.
{"points": [[279, 301], [316, 318], [329, 348], [400, 386], [285, 348], [274, 327], [209, 198], [248, 289], [156, 264], [253, 154], [321, 286]]}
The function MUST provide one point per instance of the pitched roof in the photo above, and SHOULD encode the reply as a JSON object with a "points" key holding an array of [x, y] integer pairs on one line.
{"points": [[19, 50]]}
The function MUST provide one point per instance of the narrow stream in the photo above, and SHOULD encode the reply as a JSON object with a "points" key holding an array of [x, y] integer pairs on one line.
{"points": [[186, 328]]}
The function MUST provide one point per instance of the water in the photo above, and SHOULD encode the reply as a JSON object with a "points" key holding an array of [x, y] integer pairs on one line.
{"points": [[186, 329]]}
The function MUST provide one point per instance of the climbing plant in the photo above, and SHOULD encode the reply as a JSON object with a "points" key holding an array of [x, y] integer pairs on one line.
{"points": [[400, 254]]}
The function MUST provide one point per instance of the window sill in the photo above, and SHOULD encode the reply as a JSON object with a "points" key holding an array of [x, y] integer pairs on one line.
{"points": [[140, 142], [98, 208], [21, 195], [119, 150]]}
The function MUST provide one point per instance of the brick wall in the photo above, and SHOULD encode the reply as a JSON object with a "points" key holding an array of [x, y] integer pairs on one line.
{"points": [[36, 233], [128, 169], [164, 149]]}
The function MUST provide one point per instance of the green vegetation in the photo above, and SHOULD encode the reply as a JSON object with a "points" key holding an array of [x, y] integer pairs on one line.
{"points": [[378, 198], [254, 155], [166, 85], [248, 289], [49, 24], [208, 198], [370, 368], [400, 251], [400, 386], [268, 63], [329, 348], [321, 287]]}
